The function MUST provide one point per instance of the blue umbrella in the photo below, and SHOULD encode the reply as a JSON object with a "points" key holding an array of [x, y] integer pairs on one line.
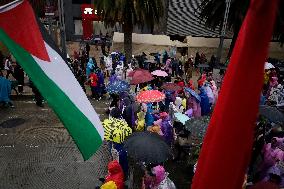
{"points": [[193, 93], [181, 117], [117, 87]]}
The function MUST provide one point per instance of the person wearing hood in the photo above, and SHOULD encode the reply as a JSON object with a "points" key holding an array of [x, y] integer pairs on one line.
{"points": [[178, 107], [166, 128], [194, 105], [209, 93], [101, 83], [140, 122], [214, 90], [162, 181], [115, 174], [93, 81], [90, 66], [113, 77], [149, 118], [204, 103]]}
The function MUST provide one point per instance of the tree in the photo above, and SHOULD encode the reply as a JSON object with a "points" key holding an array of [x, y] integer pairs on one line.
{"points": [[212, 12], [38, 5], [130, 13]]}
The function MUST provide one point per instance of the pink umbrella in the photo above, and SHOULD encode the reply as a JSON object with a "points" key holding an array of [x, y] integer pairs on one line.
{"points": [[160, 73], [150, 96], [141, 76]]}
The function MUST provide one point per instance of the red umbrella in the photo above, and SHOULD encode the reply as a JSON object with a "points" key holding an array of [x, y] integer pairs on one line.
{"points": [[150, 96], [171, 87], [140, 76]]}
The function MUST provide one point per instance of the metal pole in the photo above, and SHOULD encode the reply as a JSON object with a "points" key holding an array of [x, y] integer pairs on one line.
{"points": [[62, 27], [7, 6], [223, 32]]}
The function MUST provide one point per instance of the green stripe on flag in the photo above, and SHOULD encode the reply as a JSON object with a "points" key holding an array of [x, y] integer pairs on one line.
{"points": [[78, 125]]}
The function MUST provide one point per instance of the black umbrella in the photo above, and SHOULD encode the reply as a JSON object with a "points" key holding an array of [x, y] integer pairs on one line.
{"points": [[271, 113], [147, 147]]}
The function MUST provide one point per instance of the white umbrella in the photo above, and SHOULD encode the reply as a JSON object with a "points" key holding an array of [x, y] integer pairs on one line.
{"points": [[268, 66]]}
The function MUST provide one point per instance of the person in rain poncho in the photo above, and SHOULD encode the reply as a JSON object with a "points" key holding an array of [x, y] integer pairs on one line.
{"points": [[5, 91], [177, 106], [194, 105], [128, 71], [140, 122], [271, 154], [149, 118], [90, 66], [162, 181], [113, 77], [204, 104], [167, 130], [115, 174], [209, 93], [214, 90], [119, 71], [109, 185], [101, 83]]}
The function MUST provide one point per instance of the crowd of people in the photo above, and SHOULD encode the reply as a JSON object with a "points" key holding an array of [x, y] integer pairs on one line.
{"points": [[187, 89]]}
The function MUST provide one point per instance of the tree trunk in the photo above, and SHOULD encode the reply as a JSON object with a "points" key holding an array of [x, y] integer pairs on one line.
{"points": [[127, 30], [236, 33]]}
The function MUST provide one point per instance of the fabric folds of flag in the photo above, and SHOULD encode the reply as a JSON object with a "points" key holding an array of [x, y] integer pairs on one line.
{"points": [[227, 146], [41, 60]]}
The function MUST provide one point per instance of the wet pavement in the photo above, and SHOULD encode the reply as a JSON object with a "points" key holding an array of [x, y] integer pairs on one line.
{"points": [[36, 151]]}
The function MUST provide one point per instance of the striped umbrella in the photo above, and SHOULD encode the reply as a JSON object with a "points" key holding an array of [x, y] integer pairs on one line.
{"points": [[116, 130]]}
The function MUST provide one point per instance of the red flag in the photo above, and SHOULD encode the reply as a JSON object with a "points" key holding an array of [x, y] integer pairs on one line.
{"points": [[227, 147]]}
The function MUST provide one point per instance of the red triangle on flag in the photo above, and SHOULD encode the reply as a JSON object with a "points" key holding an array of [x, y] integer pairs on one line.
{"points": [[20, 24]]}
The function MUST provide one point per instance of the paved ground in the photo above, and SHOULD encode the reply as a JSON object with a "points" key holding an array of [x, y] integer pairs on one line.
{"points": [[40, 154]]}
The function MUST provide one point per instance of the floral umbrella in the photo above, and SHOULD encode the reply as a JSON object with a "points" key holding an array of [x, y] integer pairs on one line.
{"points": [[117, 87], [140, 76], [150, 96]]}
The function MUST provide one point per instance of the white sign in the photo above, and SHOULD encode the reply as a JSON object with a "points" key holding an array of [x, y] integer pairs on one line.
{"points": [[88, 11]]}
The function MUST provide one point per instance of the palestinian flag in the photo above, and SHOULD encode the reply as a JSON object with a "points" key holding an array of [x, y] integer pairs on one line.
{"points": [[34, 50]]}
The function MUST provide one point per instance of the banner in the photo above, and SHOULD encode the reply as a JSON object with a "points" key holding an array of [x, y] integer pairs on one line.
{"points": [[87, 29]]}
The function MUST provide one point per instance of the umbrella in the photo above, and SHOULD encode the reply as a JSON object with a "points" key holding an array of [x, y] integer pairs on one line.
{"points": [[159, 73], [197, 127], [203, 66], [140, 76], [181, 117], [117, 87], [171, 87], [150, 96], [147, 147], [271, 113], [116, 130], [193, 93], [268, 66]]}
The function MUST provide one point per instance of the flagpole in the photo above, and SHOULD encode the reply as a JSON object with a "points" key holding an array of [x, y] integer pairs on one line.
{"points": [[2, 8], [62, 28]]}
